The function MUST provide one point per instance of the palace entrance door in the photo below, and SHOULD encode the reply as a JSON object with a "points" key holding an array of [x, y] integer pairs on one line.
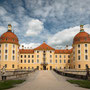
{"points": [[44, 67]]}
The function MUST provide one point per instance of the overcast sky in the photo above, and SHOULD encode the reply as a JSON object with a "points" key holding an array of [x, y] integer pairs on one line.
{"points": [[54, 21]]}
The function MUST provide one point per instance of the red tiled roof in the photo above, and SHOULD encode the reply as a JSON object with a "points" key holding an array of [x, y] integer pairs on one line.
{"points": [[44, 46], [9, 37], [81, 37], [65, 51], [23, 51]]}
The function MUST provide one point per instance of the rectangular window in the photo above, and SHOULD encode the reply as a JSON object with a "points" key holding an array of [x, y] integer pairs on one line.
{"points": [[86, 51], [78, 51], [74, 58], [24, 56], [0, 45], [32, 61], [50, 61], [68, 56], [60, 56], [6, 51], [13, 66], [28, 61], [13, 57], [56, 61], [21, 56], [29, 68], [37, 61], [5, 65], [32, 56], [79, 66], [21, 61], [60, 61], [68, 61], [24, 67], [5, 57], [24, 61], [86, 57], [78, 57], [64, 61], [6, 45], [85, 45], [13, 51], [0, 51], [28, 56], [50, 51], [37, 56], [64, 56], [50, 56], [37, 51], [13, 46], [78, 45], [56, 56]]}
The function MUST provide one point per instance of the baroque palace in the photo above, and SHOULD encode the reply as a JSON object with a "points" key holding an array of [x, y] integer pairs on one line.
{"points": [[44, 57]]}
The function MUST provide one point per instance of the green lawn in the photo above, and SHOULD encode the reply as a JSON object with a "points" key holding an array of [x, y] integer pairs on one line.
{"points": [[9, 84], [81, 83]]}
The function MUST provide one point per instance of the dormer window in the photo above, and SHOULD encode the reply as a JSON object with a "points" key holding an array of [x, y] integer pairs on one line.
{"points": [[13, 39], [6, 39], [78, 39], [85, 38]]}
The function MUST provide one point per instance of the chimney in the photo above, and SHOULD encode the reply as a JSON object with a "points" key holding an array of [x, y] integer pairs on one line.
{"points": [[81, 28], [66, 47], [43, 41], [22, 46], [9, 27]]}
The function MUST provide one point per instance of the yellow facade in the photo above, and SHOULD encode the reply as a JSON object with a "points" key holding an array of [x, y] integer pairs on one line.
{"points": [[81, 55], [53, 60], [9, 56], [43, 57]]}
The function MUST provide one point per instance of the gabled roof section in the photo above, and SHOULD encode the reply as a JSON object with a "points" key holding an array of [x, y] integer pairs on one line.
{"points": [[44, 46], [27, 51]]}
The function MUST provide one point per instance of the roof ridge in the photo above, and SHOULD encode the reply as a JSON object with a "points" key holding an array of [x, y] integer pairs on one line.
{"points": [[44, 46]]}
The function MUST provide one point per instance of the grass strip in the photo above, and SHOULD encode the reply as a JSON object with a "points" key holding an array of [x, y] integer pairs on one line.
{"points": [[9, 84], [81, 83]]}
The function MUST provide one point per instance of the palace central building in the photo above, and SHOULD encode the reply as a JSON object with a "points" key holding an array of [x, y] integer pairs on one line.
{"points": [[44, 57]]}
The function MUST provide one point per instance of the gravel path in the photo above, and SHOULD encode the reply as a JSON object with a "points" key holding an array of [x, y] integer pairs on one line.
{"points": [[46, 80]]}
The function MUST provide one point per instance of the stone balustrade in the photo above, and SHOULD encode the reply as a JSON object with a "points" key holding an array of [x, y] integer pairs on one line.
{"points": [[80, 74], [16, 74]]}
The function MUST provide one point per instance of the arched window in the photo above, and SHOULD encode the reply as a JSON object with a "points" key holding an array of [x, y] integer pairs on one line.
{"points": [[79, 66], [21, 61], [13, 66]]}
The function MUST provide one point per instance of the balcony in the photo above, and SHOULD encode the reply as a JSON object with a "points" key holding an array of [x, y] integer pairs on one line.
{"points": [[44, 63]]}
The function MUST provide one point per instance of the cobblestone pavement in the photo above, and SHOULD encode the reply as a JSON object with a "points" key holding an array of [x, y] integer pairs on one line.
{"points": [[46, 80]]}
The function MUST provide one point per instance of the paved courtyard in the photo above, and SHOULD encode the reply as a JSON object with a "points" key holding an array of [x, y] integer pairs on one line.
{"points": [[46, 80]]}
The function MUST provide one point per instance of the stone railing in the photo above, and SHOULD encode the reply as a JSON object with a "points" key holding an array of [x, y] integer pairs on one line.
{"points": [[81, 74], [16, 74]]}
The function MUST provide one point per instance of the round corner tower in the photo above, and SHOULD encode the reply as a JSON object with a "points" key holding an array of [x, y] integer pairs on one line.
{"points": [[9, 50], [81, 49]]}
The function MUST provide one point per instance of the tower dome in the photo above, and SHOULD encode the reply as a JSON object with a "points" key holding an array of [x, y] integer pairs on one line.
{"points": [[9, 37], [81, 37]]}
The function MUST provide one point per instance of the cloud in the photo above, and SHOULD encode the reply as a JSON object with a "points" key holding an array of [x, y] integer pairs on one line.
{"points": [[35, 27], [50, 17], [2, 30], [65, 37], [2, 11], [30, 45]]}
